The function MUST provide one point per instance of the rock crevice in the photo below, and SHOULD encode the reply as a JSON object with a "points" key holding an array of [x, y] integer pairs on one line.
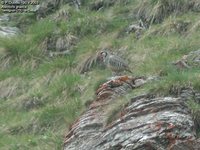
{"points": [[146, 122]]}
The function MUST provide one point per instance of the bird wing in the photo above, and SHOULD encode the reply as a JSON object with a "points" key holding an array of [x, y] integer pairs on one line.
{"points": [[117, 61], [121, 60]]}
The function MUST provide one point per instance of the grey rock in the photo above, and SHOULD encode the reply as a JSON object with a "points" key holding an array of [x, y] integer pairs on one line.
{"points": [[8, 31], [4, 18], [56, 44], [34, 102], [188, 61], [193, 58], [46, 7], [187, 93], [99, 4], [146, 122], [61, 44], [197, 97]]}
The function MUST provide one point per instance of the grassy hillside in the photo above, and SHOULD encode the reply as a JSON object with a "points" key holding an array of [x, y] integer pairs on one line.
{"points": [[40, 96]]}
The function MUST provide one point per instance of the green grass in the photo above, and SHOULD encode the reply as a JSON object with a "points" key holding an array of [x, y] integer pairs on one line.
{"points": [[32, 142], [15, 71], [41, 30], [17, 45], [62, 91], [177, 79], [54, 117], [65, 83], [27, 45]]}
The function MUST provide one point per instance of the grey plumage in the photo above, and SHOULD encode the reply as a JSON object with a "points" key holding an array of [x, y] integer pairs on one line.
{"points": [[114, 62]]}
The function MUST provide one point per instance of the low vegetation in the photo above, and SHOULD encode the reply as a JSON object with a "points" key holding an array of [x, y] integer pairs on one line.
{"points": [[40, 96]]}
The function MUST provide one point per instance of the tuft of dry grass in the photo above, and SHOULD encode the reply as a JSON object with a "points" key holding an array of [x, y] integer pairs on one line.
{"points": [[170, 26], [89, 63], [155, 11]]}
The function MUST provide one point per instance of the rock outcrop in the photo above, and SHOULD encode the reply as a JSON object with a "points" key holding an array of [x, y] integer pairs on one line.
{"points": [[56, 44], [6, 31], [4, 18], [188, 61], [47, 7], [146, 122]]}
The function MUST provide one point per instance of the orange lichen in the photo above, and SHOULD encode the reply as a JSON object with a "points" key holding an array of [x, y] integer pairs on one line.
{"points": [[125, 78], [116, 82]]}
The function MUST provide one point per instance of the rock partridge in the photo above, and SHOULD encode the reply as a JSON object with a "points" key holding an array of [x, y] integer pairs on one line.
{"points": [[116, 64]]}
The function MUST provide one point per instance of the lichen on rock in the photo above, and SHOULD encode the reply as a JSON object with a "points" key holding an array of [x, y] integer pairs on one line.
{"points": [[145, 122]]}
